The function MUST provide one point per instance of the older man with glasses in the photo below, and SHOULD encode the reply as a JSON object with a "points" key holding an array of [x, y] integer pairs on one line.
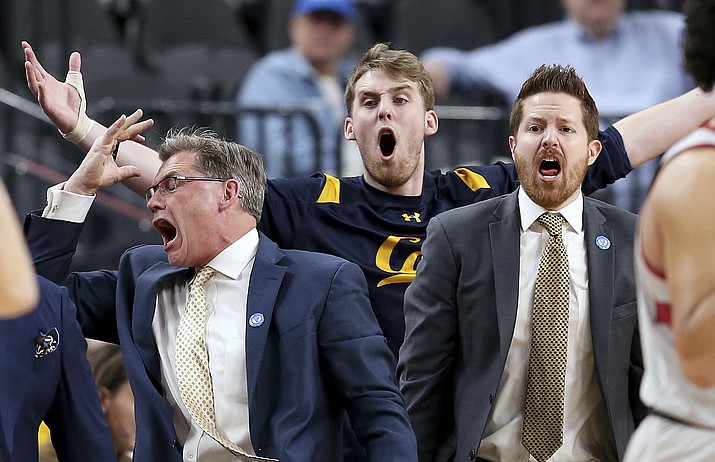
{"points": [[235, 349]]}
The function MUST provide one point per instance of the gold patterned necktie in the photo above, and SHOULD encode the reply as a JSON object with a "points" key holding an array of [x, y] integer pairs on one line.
{"points": [[192, 365], [544, 405]]}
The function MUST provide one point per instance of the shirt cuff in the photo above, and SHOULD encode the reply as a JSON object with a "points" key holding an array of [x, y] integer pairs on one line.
{"points": [[66, 206]]}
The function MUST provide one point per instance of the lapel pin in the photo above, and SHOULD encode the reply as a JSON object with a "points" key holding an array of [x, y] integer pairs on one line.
{"points": [[603, 243], [46, 343], [256, 320]]}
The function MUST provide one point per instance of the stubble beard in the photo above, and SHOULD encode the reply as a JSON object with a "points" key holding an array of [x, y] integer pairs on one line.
{"points": [[551, 196], [394, 173]]}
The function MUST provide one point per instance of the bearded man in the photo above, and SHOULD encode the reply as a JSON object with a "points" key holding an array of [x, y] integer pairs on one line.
{"points": [[497, 363]]}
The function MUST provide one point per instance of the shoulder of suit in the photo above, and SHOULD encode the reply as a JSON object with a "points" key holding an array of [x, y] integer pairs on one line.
{"points": [[143, 255], [610, 208], [613, 213], [312, 258], [481, 212]]}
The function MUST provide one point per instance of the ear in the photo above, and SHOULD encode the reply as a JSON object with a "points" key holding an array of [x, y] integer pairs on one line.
{"points": [[348, 129], [231, 194], [431, 123], [104, 396], [512, 145], [594, 149]]}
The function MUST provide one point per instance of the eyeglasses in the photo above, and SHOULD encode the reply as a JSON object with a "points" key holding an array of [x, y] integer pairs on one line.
{"points": [[168, 185]]}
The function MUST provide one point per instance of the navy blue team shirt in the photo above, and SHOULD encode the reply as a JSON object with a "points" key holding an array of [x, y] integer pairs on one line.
{"points": [[383, 233]]}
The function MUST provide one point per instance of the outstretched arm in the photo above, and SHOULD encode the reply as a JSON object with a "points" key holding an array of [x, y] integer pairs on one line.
{"points": [[64, 103], [650, 132], [18, 285]]}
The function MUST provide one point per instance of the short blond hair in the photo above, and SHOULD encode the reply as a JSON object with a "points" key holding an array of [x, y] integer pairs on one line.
{"points": [[398, 64]]}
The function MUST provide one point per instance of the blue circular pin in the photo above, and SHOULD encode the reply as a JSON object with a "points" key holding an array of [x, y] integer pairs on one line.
{"points": [[603, 242], [256, 319]]}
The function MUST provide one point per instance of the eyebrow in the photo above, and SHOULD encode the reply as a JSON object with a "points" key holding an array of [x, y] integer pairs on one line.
{"points": [[169, 174], [395, 89], [176, 170], [538, 118]]}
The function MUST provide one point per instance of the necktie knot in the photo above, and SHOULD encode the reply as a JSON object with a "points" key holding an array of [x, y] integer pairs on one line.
{"points": [[552, 222], [202, 275]]}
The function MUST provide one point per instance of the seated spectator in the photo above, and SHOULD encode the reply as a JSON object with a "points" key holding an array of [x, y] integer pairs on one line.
{"points": [[630, 60], [115, 395], [116, 398], [309, 75]]}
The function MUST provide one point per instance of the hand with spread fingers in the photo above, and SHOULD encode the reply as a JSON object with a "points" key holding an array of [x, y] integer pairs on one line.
{"points": [[99, 170], [61, 101]]}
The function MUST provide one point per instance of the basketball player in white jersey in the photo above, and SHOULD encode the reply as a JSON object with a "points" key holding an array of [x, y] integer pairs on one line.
{"points": [[675, 268]]}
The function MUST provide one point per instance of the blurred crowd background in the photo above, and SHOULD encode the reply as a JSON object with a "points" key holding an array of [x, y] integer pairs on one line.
{"points": [[183, 62]]}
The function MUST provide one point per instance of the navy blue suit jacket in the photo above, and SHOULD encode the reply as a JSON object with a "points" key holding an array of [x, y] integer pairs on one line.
{"points": [[55, 386], [320, 350]]}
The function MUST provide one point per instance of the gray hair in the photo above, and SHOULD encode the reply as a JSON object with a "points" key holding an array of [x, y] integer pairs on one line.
{"points": [[219, 158]]}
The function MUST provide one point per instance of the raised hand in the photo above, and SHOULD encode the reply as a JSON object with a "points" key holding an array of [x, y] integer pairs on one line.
{"points": [[99, 170], [63, 102], [59, 100]]}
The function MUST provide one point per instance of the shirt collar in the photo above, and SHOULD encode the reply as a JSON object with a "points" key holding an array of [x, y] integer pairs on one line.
{"points": [[529, 211], [234, 258], [584, 36]]}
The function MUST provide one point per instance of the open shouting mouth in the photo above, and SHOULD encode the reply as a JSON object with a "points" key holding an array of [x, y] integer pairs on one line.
{"points": [[387, 142]]}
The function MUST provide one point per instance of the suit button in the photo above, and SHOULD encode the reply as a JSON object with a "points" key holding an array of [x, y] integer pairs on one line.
{"points": [[174, 444], [472, 454], [491, 399]]}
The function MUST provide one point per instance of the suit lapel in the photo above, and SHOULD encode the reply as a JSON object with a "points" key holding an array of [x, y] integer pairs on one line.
{"points": [[145, 296], [266, 279], [600, 283], [504, 238]]}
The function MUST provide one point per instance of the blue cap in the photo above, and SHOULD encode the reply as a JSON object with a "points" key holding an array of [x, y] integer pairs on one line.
{"points": [[344, 8]]}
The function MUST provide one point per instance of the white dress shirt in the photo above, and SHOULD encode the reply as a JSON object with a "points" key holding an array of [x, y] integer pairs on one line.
{"points": [[586, 421], [226, 295]]}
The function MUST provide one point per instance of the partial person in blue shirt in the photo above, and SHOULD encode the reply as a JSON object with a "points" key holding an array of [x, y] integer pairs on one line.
{"points": [[630, 60], [309, 75], [46, 378]]}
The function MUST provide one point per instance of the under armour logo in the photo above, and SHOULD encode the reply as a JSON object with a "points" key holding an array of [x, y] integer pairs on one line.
{"points": [[415, 216]]}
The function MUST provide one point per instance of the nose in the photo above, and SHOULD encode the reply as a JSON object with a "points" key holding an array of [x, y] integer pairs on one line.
{"points": [[385, 111], [156, 202], [550, 140]]}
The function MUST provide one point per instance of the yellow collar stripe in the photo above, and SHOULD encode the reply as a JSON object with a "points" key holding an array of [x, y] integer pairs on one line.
{"points": [[473, 180], [331, 191]]}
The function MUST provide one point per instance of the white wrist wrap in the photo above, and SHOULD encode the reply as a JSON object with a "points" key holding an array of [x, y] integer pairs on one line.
{"points": [[84, 123]]}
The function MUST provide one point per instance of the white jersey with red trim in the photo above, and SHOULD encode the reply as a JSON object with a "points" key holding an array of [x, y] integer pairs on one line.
{"points": [[702, 137], [664, 387]]}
